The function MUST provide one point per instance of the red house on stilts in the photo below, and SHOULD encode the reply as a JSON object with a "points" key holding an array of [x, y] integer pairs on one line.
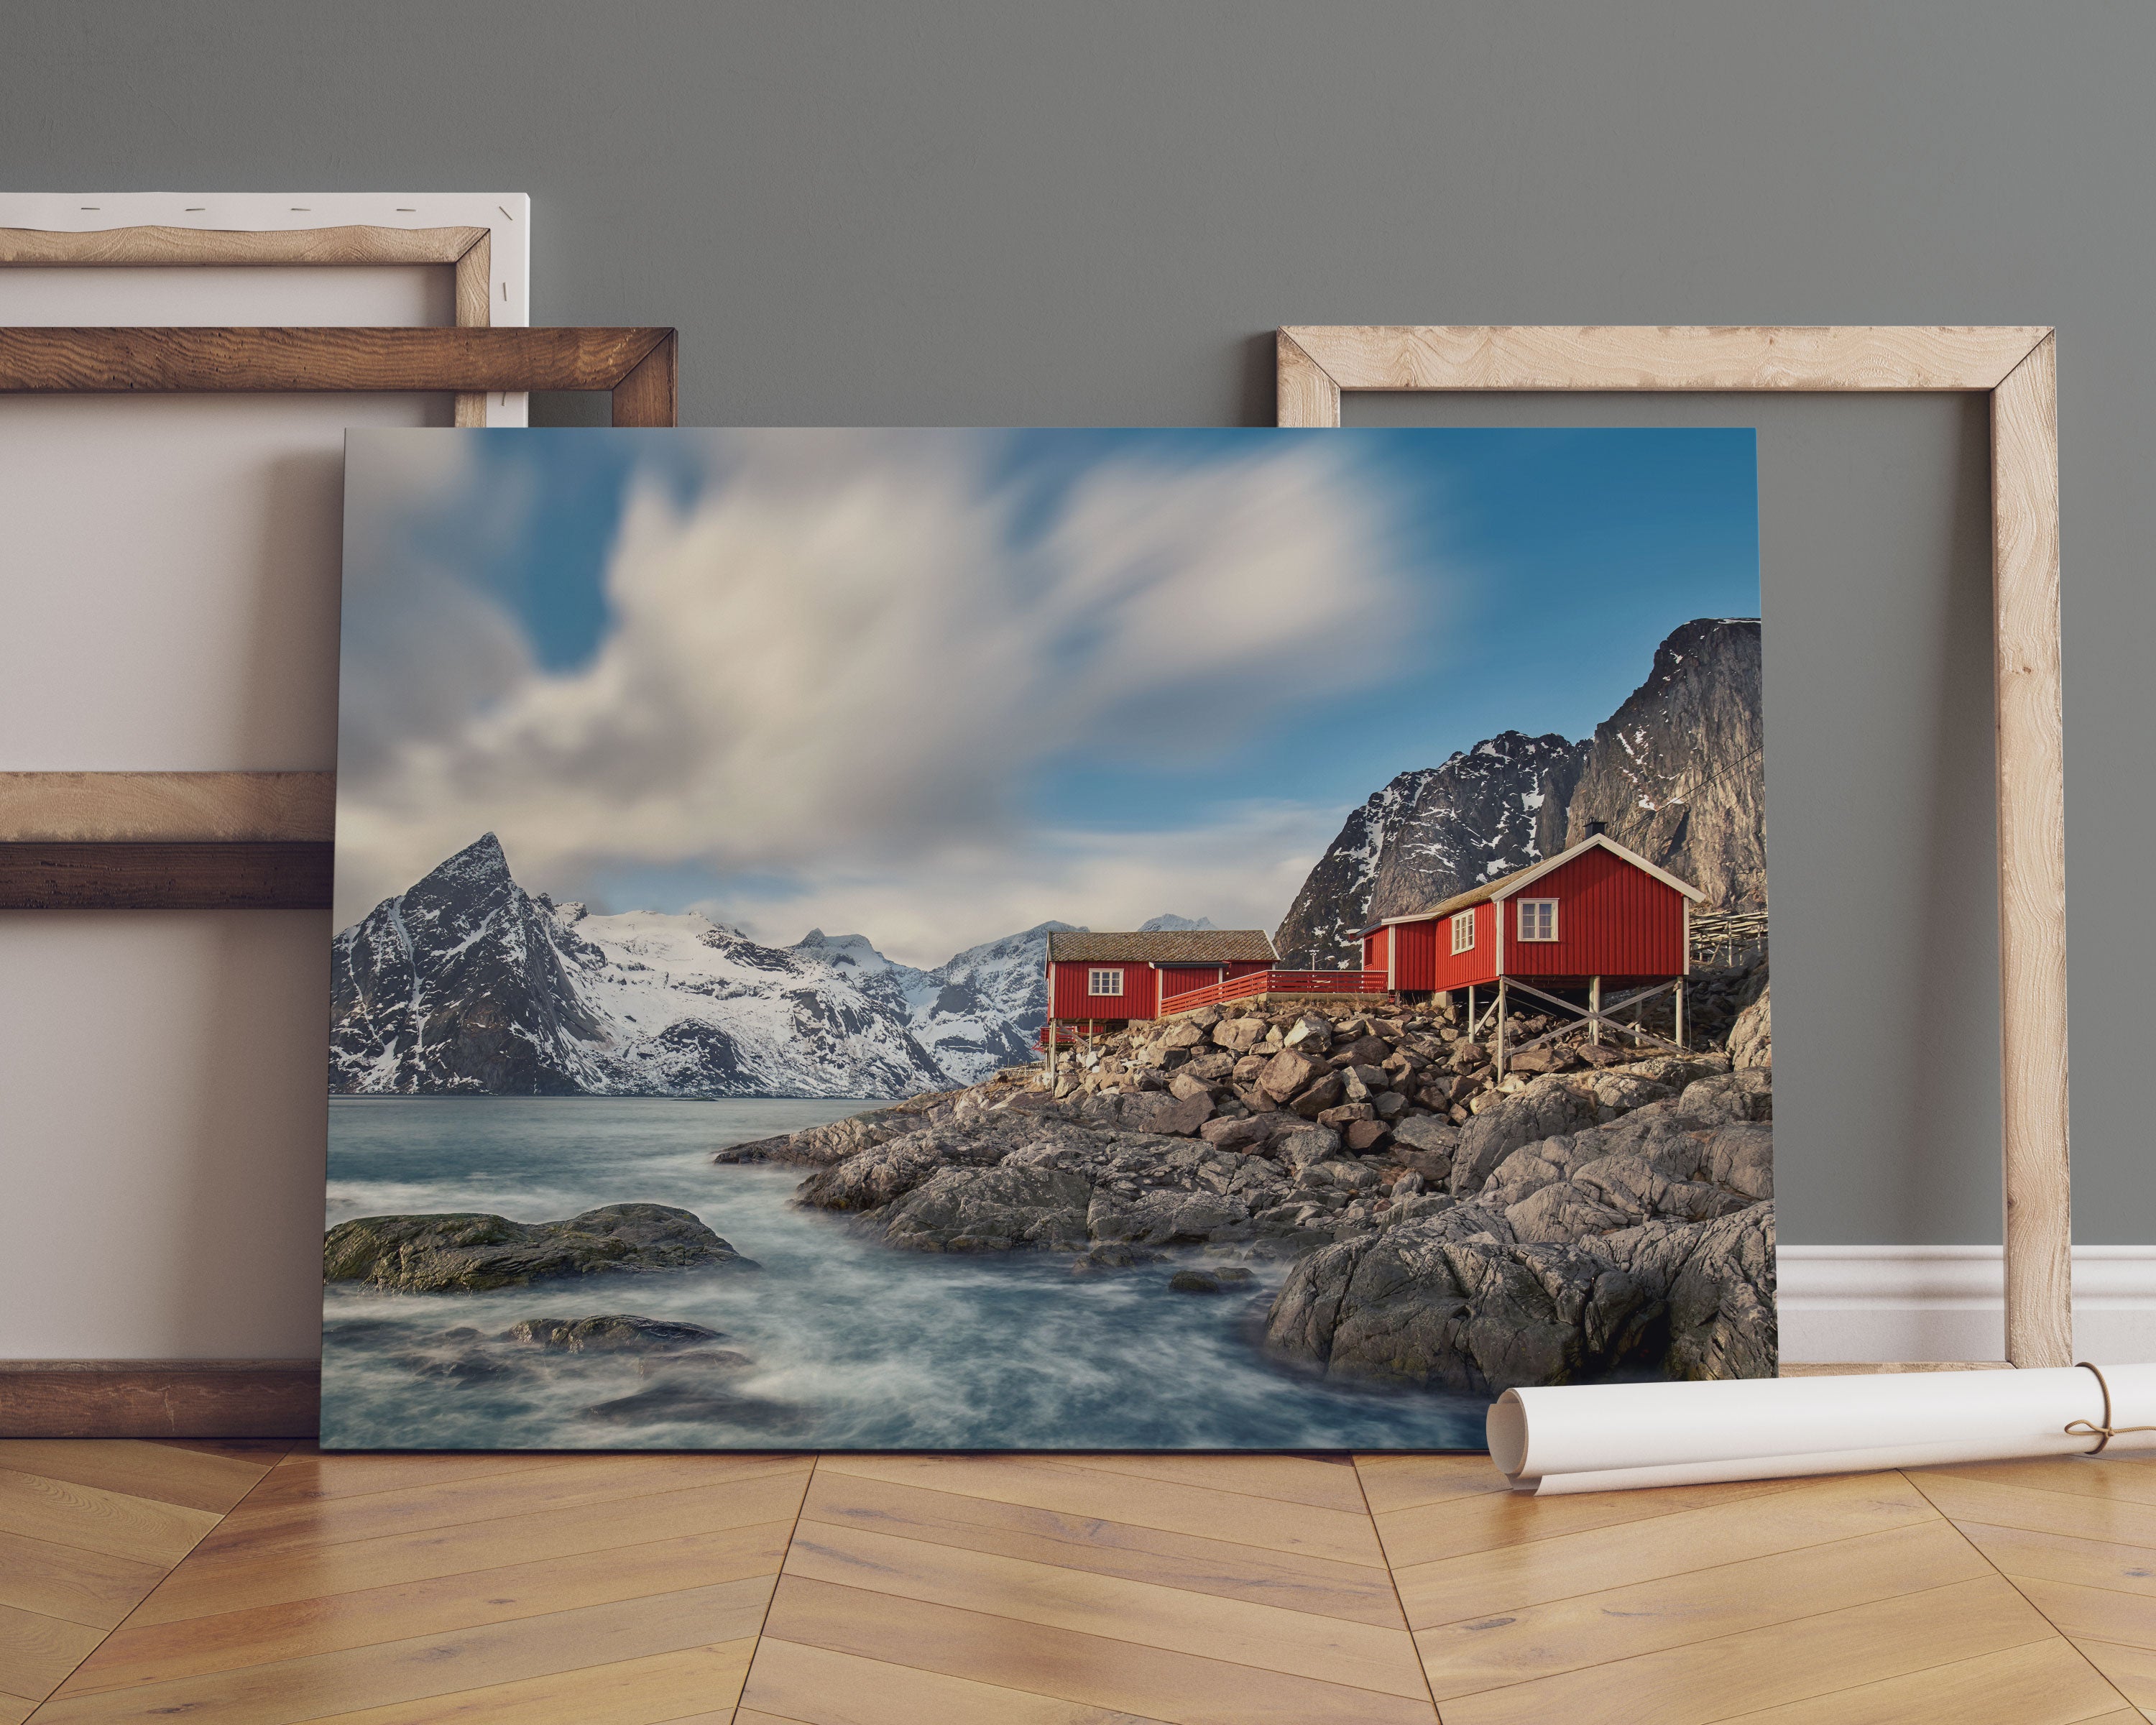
{"points": [[1593, 918]]}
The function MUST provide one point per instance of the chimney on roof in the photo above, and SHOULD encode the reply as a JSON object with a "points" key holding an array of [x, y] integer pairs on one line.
{"points": [[1596, 829]]}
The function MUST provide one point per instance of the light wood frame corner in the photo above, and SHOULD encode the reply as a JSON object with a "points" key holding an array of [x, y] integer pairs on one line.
{"points": [[2016, 367]]}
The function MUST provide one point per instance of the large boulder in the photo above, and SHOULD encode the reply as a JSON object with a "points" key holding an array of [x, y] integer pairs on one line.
{"points": [[1290, 1070], [835, 1140], [1419, 1305], [874, 1178], [1545, 1109], [1310, 1033], [964, 1210], [423, 1254], [618, 1332], [1240, 1035], [1748, 1095], [1307, 1144], [1715, 1281], [1426, 1143], [1752, 1037], [1455, 1301], [1165, 1218]]}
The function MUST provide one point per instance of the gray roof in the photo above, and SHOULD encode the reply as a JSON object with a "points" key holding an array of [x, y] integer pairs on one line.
{"points": [[1165, 945]]}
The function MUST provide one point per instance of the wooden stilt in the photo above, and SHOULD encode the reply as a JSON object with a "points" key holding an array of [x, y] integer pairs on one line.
{"points": [[1594, 1006], [1499, 1063], [1051, 1054], [1471, 1019], [1680, 1006]]}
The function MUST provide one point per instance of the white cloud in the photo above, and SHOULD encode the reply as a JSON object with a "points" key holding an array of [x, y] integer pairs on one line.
{"points": [[844, 662]]}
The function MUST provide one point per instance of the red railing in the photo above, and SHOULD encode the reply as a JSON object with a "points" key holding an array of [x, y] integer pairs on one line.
{"points": [[1278, 982]]}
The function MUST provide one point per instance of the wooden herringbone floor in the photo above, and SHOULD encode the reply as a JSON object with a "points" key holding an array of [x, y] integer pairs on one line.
{"points": [[255, 1584]]}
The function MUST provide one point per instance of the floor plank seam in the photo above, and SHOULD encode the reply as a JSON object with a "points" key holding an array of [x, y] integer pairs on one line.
{"points": [[1277, 1552], [233, 1563], [1778, 1624], [170, 1569], [1702, 1569], [1165, 1586], [1103, 1637], [1406, 1629], [1915, 1480], [763, 1622]]}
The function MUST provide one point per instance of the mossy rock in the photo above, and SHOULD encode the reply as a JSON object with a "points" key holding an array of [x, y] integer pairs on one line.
{"points": [[470, 1254]]}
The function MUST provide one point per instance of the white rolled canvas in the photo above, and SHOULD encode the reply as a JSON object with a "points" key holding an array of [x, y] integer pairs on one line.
{"points": [[1604, 1437]]}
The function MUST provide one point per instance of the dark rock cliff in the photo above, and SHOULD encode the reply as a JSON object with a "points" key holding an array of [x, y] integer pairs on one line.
{"points": [[1675, 774]]}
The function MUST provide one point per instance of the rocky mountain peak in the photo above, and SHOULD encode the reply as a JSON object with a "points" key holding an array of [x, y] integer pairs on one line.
{"points": [[1674, 774], [1154, 925], [1677, 773], [855, 949]]}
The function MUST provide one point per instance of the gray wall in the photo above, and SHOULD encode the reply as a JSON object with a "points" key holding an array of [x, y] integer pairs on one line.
{"points": [[944, 214]]}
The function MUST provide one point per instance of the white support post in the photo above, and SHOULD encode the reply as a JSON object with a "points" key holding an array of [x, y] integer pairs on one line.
{"points": [[1500, 1063], [1594, 1006], [1680, 1004], [1471, 1019]]}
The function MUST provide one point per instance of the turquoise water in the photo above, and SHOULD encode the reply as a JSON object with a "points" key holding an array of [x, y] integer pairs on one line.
{"points": [[855, 1345]]}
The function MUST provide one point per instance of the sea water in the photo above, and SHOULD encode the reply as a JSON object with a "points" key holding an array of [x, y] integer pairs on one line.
{"points": [[854, 1345]]}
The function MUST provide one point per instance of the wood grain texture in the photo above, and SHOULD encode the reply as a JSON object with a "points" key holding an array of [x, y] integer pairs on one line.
{"points": [[86, 1530], [1851, 1601], [158, 1398], [1307, 395], [180, 361], [474, 310], [2032, 870], [146, 808], [649, 395], [150, 245], [247, 875], [1398, 357]]}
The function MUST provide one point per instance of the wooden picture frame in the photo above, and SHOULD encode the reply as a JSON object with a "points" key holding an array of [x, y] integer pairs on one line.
{"points": [[2016, 368], [263, 241], [257, 840]]}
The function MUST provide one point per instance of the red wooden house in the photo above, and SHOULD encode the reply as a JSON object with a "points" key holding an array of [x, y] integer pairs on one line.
{"points": [[1109, 979], [1594, 917]]}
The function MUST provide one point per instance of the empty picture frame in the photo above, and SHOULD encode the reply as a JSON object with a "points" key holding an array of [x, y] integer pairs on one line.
{"points": [[483, 237], [2016, 368], [243, 840]]}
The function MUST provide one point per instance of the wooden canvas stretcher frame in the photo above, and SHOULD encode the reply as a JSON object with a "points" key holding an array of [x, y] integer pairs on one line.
{"points": [[257, 840], [2016, 368], [466, 249]]}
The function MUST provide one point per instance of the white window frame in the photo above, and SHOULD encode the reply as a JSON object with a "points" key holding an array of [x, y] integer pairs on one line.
{"points": [[1463, 923], [1094, 978], [1522, 922]]}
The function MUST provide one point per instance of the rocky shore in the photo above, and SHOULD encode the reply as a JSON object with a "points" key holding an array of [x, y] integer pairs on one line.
{"points": [[1597, 1213]]}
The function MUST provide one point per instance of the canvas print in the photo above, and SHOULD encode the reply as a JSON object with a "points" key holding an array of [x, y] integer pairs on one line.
{"points": [[1081, 939]]}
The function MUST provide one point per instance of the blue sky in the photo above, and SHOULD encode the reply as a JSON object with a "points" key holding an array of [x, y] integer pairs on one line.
{"points": [[1149, 650]]}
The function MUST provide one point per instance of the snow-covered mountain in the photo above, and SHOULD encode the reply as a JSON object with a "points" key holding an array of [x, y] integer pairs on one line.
{"points": [[466, 983], [1675, 774]]}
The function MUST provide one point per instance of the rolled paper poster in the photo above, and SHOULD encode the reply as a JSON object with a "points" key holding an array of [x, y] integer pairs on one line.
{"points": [[1605, 1437]]}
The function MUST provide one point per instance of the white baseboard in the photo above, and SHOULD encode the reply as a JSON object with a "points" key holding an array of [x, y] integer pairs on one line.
{"points": [[1887, 1302]]}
